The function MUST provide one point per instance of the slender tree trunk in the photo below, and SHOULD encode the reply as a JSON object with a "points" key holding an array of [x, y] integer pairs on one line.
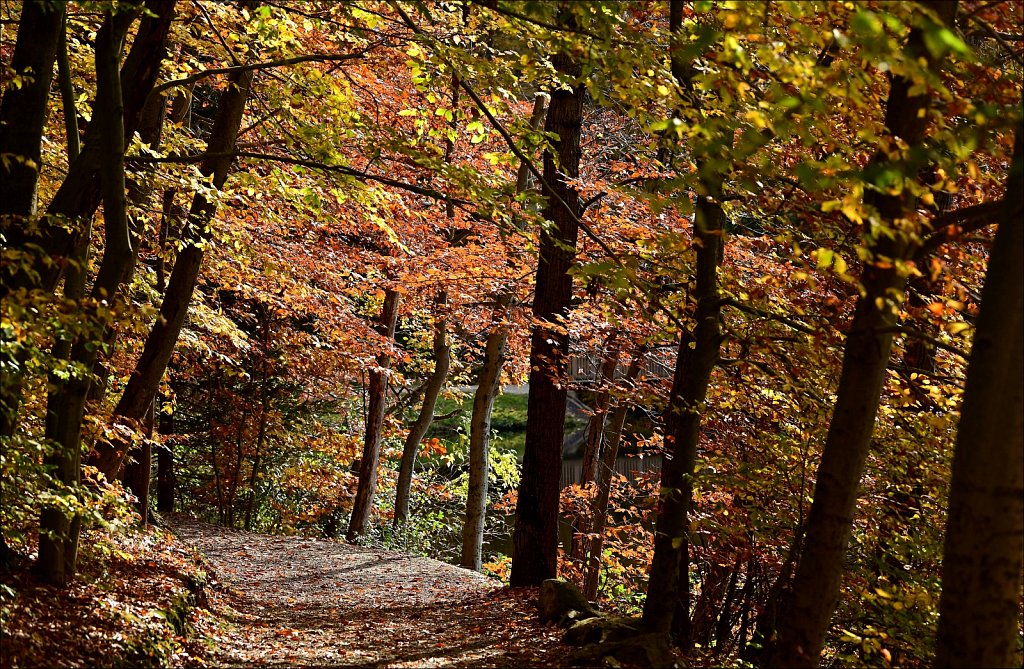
{"points": [[667, 608], [66, 408], [144, 381], [374, 423], [483, 400], [22, 118], [592, 444], [66, 223], [605, 472], [535, 538], [801, 634], [480, 435], [983, 561], [435, 384], [595, 426]]}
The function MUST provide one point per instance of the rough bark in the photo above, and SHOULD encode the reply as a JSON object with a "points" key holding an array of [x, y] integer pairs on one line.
{"points": [[535, 538], [983, 560], [144, 381], [801, 634], [66, 408], [435, 384], [374, 422], [667, 607]]}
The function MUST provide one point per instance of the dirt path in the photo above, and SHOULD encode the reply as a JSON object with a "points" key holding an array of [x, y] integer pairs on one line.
{"points": [[292, 601]]}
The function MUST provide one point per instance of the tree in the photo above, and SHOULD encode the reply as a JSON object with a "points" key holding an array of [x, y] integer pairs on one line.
{"points": [[983, 560], [58, 544], [377, 392], [669, 585], [815, 590], [535, 538]]}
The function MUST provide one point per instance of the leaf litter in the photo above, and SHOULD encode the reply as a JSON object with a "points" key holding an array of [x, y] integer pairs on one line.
{"points": [[289, 601]]}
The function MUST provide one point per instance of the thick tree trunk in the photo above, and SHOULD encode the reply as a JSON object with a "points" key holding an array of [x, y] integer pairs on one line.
{"points": [[535, 538], [374, 423], [605, 472], [66, 408], [801, 634], [983, 559], [479, 438], [435, 384], [667, 607]]}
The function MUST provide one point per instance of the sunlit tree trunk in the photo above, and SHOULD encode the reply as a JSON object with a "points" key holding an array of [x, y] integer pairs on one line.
{"points": [[483, 400], [374, 422], [479, 438], [535, 538], [983, 561], [800, 635], [435, 384]]}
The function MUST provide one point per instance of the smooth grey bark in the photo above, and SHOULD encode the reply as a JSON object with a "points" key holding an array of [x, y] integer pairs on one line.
{"points": [[605, 472], [58, 547], [363, 504], [535, 537], [486, 391], [144, 382], [983, 559], [800, 636], [435, 384], [480, 436]]}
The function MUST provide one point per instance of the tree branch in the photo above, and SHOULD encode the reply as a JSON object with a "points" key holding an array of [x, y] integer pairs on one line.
{"points": [[284, 62], [967, 219]]}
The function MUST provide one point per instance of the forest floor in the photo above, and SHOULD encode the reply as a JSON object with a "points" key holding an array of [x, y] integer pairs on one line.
{"points": [[289, 601]]}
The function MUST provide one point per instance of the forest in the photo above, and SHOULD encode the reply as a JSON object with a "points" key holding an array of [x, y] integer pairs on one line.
{"points": [[700, 323]]}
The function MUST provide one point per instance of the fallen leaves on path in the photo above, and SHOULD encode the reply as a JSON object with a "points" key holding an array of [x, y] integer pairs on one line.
{"points": [[309, 602]]}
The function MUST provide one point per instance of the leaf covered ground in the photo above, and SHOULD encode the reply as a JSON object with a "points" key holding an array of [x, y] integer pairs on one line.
{"points": [[262, 600], [293, 601]]}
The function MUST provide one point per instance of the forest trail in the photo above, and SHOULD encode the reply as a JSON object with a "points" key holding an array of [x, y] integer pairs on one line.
{"points": [[291, 601]]}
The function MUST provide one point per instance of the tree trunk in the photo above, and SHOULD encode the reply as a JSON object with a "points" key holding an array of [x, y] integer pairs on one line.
{"points": [[535, 538], [599, 515], [23, 109], [667, 608], [66, 408], [801, 633], [22, 118], [435, 384], [592, 444], [144, 381], [483, 401], [374, 422], [982, 562], [47, 249], [479, 438]]}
